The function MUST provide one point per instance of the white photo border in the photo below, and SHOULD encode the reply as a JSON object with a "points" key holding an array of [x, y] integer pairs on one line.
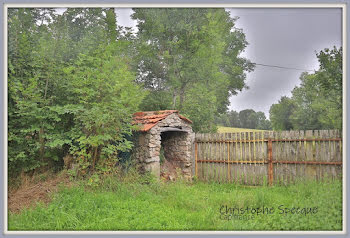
{"points": [[151, 4]]}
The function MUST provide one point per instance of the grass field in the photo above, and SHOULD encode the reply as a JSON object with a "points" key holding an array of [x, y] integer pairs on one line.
{"points": [[133, 205], [224, 129]]}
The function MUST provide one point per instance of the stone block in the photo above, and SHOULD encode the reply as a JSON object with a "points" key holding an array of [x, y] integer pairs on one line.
{"points": [[155, 153], [154, 168], [181, 142], [186, 170], [152, 145], [182, 148], [153, 159], [154, 130]]}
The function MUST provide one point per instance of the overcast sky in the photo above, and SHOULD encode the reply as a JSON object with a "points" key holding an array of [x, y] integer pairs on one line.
{"points": [[282, 37]]}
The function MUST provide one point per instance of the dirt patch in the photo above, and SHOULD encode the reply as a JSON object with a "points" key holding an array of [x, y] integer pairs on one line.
{"points": [[170, 170], [30, 192]]}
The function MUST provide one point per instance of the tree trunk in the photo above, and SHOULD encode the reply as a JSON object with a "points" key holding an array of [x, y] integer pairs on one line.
{"points": [[174, 99], [46, 86], [182, 96], [94, 159], [41, 132], [42, 144]]}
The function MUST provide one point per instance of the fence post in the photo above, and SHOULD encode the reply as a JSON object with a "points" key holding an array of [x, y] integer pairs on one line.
{"points": [[195, 156], [228, 138], [269, 146]]}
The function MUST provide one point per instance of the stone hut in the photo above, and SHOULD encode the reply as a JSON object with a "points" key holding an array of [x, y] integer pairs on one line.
{"points": [[163, 133]]}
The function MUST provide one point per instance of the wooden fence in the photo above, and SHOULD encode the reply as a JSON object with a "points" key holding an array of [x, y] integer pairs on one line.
{"points": [[255, 158]]}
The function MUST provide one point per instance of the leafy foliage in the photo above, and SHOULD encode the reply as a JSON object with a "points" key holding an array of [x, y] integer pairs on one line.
{"points": [[105, 96], [280, 114], [71, 88], [188, 60], [317, 102]]}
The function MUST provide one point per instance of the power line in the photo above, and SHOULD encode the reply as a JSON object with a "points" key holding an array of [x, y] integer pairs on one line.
{"points": [[282, 67]]}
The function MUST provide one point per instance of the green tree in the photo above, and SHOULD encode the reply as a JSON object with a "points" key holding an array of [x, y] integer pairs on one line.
{"points": [[244, 119], [280, 114], [26, 112], [306, 99], [263, 123], [181, 50], [202, 109], [330, 72], [44, 111], [111, 20], [222, 119], [105, 98], [233, 117], [330, 76], [248, 118], [317, 102]]}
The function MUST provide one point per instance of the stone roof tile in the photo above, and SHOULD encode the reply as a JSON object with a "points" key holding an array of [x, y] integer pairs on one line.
{"points": [[148, 119]]}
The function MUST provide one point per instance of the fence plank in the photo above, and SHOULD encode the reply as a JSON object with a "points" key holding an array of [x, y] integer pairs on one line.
{"points": [[286, 153], [200, 157], [214, 156], [222, 158], [296, 155], [210, 157], [206, 138], [308, 150], [332, 134], [253, 149], [318, 155], [302, 156], [228, 138], [328, 145], [333, 152], [221, 147], [218, 146], [277, 170], [313, 145], [323, 154], [243, 157], [327, 153], [262, 167], [338, 154], [197, 138], [238, 157], [283, 147], [233, 157]]}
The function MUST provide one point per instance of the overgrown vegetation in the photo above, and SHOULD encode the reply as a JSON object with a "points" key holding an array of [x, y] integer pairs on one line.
{"points": [[72, 91], [76, 78], [134, 202]]}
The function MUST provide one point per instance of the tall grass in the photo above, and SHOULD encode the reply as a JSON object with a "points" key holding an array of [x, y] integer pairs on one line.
{"points": [[136, 202]]}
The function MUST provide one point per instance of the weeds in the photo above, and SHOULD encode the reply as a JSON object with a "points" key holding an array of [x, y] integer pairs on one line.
{"points": [[134, 202]]}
